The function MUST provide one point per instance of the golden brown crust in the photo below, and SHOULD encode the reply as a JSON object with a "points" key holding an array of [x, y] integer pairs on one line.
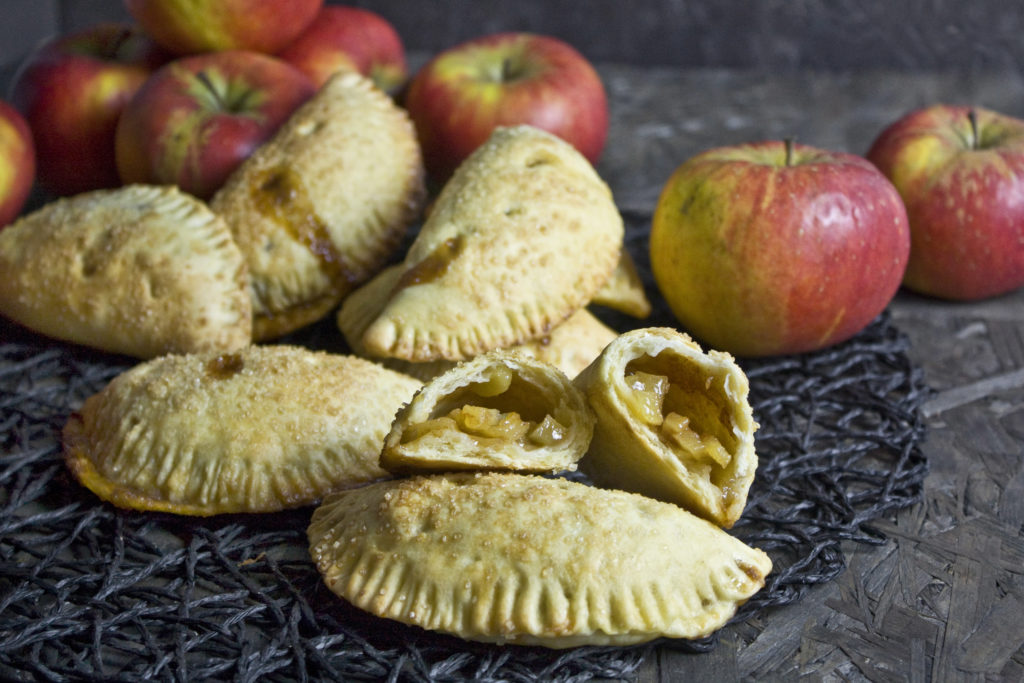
{"points": [[624, 290], [496, 411], [693, 446], [263, 429], [511, 558], [140, 270], [321, 206], [570, 346], [522, 236]]}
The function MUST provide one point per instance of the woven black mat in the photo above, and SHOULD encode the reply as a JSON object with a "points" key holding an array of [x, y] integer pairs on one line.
{"points": [[90, 592]]}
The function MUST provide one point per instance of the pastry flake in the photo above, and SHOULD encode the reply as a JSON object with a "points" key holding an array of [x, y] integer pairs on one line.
{"points": [[325, 203], [673, 423], [529, 560], [140, 270], [522, 236], [496, 411], [258, 430]]}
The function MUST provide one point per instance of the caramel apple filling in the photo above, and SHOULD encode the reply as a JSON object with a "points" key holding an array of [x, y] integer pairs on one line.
{"points": [[488, 419], [664, 407]]}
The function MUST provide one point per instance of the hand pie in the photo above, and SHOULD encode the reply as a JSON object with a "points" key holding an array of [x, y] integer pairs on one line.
{"points": [[263, 429], [323, 204], [673, 423], [522, 236], [496, 411], [624, 290], [512, 558], [139, 270], [570, 346]]}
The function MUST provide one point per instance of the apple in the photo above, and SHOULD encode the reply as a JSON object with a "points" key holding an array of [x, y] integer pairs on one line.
{"points": [[187, 27], [462, 94], [197, 118], [773, 248], [71, 91], [960, 172], [17, 162], [342, 37]]}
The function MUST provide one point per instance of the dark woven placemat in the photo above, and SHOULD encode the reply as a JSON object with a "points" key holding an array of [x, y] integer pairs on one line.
{"points": [[90, 592]]}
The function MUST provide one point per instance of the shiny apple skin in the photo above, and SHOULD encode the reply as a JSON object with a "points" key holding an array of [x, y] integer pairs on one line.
{"points": [[197, 118], [758, 256], [350, 38], [187, 27], [72, 91], [460, 96], [17, 163], [964, 193]]}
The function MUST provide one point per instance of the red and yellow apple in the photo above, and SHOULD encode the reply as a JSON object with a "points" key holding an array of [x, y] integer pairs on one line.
{"points": [[71, 91], [462, 94], [188, 27], [772, 248], [197, 118], [960, 172], [342, 37], [17, 162]]}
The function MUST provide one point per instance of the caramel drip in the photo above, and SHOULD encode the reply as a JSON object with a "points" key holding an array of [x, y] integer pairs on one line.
{"points": [[281, 197], [224, 366], [434, 266]]}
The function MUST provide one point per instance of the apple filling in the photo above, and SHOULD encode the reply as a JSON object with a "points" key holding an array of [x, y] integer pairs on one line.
{"points": [[487, 422], [655, 401]]}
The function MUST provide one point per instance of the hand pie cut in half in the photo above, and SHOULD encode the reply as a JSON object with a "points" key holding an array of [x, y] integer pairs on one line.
{"points": [[325, 203], [570, 346], [140, 270], [522, 235], [530, 560], [496, 411], [673, 423], [260, 430]]}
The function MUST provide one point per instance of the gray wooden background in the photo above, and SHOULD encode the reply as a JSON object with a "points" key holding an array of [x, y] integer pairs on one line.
{"points": [[776, 34]]}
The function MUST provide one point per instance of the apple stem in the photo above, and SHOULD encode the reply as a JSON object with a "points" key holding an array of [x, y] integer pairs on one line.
{"points": [[972, 116], [204, 78], [506, 70], [789, 151]]}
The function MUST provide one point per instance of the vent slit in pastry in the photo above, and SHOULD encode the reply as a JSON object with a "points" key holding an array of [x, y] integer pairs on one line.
{"points": [[279, 195]]}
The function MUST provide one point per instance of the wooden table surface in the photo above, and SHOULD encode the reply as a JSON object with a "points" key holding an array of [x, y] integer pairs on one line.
{"points": [[943, 598]]}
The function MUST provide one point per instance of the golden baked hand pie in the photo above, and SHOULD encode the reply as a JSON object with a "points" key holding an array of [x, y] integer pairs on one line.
{"points": [[570, 346], [325, 203], [673, 423], [512, 558], [497, 411], [140, 270], [522, 236], [263, 429], [624, 290]]}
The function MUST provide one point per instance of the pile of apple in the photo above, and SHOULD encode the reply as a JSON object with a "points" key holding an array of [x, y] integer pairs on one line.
{"points": [[758, 249]]}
